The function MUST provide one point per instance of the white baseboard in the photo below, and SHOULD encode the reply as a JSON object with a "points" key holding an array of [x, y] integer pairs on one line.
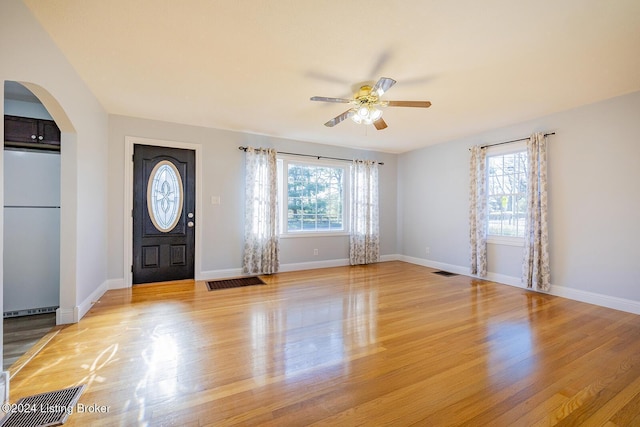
{"points": [[237, 272], [116, 284], [504, 279], [392, 257], [437, 265], [622, 304], [219, 274], [313, 265], [66, 316], [95, 296]]}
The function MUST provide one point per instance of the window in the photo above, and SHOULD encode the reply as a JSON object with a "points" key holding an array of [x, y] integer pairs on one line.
{"points": [[312, 197], [507, 195]]}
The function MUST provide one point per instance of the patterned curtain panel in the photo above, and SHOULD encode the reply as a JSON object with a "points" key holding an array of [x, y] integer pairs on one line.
{"points": [[364, 242], [478, 211], [535, 267], [261, 246]]}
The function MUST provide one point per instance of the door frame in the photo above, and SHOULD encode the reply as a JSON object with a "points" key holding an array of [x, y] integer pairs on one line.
{"points": [[129, 142]]}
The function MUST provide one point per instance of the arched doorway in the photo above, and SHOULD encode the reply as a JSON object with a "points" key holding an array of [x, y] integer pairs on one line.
{"points": [[37, 95]]}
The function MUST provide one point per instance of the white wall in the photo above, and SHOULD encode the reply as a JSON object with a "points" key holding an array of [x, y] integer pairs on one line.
{"points": [[223, 176], [27, 54], [594, 202]]}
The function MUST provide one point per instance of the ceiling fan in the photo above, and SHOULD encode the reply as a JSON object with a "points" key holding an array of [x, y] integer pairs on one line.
{"points": [[366, 102]]}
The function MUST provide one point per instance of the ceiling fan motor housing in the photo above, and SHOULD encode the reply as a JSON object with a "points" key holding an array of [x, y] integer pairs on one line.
{"points": [[364, 96], [365, 102]]}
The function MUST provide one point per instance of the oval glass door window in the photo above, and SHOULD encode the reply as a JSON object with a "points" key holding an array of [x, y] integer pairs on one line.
{"points": [[164, 196]]}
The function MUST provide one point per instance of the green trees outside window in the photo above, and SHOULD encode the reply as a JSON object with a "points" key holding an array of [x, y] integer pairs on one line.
{"points": [[314, 198]]}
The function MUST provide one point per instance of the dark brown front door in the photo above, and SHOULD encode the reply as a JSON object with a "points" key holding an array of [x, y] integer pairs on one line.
{"points": [[163, 214]]}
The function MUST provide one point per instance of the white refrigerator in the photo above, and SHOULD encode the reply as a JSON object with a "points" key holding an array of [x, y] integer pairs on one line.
{"points": [[31, 232]]}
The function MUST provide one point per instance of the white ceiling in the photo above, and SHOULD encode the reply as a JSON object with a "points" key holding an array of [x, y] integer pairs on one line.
{"points": [[252, 65]]}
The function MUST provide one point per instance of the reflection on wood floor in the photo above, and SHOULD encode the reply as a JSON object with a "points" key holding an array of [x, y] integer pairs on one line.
{"points": [[385, 344]]}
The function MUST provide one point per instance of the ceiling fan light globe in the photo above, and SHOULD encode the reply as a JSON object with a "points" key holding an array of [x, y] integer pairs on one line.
{"points": [[375, 114], [363, 111], [356, 118]]}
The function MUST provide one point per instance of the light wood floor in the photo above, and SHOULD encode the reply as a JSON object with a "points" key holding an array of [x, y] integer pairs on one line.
{"points": [[386, 344]]}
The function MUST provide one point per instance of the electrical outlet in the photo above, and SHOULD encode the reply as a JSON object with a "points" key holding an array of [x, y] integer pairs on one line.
{"points": [[315, 252]]}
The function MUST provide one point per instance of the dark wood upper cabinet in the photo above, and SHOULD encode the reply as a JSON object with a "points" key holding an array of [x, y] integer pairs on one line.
{"points": [[31, 133]]}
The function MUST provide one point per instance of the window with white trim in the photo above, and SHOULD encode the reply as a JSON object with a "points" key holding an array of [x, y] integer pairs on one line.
{"points": [[506, 194], [313, 196]]}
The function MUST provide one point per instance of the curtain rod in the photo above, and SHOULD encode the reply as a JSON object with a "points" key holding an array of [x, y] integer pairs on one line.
{"points": [[309, 155], [513, 140]]}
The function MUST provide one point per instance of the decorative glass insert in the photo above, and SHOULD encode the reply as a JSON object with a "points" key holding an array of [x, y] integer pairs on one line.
{"points": [[164, 196]]}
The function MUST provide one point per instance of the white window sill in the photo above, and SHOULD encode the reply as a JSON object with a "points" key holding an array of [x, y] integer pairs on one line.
{"points": [[316, 234], [506, 241]]}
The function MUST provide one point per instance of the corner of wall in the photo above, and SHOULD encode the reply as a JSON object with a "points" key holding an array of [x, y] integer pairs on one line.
{"points": [[66, 316]]}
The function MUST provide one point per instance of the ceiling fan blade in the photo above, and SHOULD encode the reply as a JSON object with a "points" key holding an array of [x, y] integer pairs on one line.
{"points": [[380, 124], [382, 85], [325, 99], [337, 119], [419, 104]]}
